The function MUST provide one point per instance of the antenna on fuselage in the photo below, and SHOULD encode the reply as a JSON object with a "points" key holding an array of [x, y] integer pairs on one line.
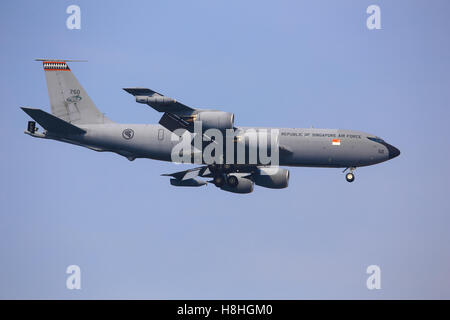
{"points": [[60, 60]]}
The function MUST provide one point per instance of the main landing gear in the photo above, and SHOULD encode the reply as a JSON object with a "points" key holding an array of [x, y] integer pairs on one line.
{"points": [[220, 180], [223, 175], [350, 177]]}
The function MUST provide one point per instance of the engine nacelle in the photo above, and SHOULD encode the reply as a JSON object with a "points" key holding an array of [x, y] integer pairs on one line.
{"points": [[243, 185], [273, 178], [216, 120]]}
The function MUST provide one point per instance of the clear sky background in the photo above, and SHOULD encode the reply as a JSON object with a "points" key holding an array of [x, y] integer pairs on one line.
{"points": [[272, 63]]}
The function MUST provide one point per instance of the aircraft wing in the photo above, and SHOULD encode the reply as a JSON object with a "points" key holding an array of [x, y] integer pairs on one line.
{"points": [[158, 101], [176, 115], [189, 178], [190, 174]]}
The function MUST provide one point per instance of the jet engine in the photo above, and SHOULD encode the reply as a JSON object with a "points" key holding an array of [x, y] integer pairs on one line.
{"points": [[216, 120], [237, 184], [271, 177]]}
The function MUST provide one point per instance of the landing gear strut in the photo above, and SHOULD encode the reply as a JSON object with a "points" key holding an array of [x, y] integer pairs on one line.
{"points": [[350, 177], [219, 180]]}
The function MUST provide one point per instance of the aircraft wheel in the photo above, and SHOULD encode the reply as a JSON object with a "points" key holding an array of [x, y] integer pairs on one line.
{"points": [[232, 181], [219, 181], [350, 177]]}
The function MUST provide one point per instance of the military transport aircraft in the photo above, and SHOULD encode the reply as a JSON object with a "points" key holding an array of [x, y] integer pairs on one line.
{"points": [[75, 119]]}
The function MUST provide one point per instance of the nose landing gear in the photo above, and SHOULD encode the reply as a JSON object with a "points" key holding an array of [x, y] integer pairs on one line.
{"points": [[350, 177]]}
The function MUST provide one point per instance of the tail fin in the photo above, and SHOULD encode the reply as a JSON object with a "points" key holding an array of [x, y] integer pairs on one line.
{"points": [[68, 99]]}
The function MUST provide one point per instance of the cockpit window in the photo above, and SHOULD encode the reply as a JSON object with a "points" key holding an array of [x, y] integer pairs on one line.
{"points": [[376, 139]]}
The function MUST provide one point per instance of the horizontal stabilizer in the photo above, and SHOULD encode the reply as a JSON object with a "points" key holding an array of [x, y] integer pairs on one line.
{"points": [[51, 123]]}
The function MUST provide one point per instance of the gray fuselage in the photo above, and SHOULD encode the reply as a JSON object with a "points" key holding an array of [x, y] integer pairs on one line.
{"points": [[307, 147]]}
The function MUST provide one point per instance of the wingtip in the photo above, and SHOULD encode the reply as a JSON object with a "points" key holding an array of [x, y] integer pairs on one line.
{"points": [[128, 90], [27, 108]]}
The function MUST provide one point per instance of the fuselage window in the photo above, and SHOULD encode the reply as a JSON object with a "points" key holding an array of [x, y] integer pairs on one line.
{"points": [[161, 134], [376, 139]]}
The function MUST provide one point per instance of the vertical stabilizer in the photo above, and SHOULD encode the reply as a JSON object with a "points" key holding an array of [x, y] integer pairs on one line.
{"points": [[68, 99]]}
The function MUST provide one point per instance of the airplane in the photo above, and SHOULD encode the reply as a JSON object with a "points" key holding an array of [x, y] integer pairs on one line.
{"points": [[75, 119]]}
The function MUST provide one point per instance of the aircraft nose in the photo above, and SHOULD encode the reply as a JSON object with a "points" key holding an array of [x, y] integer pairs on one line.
{"points": [[393, 151]]}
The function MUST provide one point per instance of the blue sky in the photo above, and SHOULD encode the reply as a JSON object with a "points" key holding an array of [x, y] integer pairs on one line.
{"points": [[272, 63]]}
